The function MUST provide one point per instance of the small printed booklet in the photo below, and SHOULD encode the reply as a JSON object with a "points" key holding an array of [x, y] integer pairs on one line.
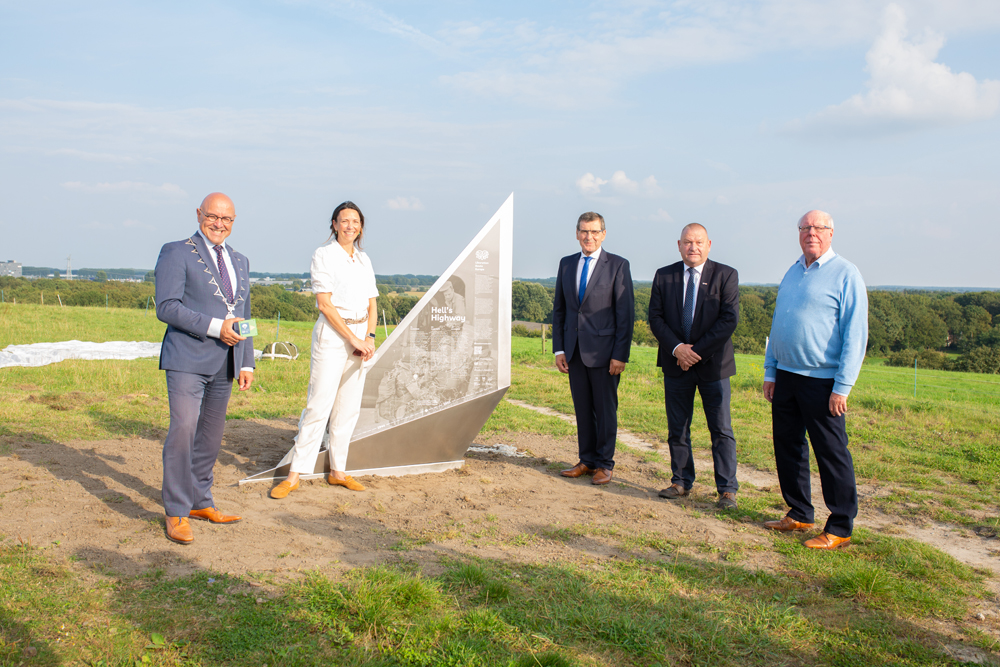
{"points": [[248, 328]]}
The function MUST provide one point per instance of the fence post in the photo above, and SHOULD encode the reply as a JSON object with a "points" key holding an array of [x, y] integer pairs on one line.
{"points": [[60, 299], [105, 301], [914, 377], [277, 334], [385, 326], [43, 297], [543, 337], [147, 306]]}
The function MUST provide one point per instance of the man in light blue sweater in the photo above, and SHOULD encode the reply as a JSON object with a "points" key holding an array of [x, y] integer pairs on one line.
{"points": [[819, 334]]}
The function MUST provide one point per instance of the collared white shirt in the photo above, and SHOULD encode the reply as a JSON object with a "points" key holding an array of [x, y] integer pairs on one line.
{"points": [[684, 307], [687, 276], [215, 326], [821, 260], [579, 272], [349, 281], [590, 269], [226, 259]]}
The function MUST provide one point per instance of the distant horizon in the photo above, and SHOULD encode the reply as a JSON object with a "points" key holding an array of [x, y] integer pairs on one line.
{"points": [[884, 288]]}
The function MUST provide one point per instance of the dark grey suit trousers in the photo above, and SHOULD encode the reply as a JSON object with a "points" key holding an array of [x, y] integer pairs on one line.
{"points": [[197, 420]]}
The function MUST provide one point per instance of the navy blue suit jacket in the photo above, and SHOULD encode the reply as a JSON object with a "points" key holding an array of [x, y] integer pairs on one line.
{"points": [[188, 296], [602, 325], [716, 314]]}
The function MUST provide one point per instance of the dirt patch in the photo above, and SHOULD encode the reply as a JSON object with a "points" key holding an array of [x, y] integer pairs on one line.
{"points": [[977, 547], [98, 503]]}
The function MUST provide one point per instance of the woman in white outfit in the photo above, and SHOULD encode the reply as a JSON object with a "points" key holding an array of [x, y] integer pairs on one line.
{"points": [[343, 339]]}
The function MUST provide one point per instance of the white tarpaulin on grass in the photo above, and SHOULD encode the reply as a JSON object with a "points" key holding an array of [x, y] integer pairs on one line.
{"points": [[43, 354]]}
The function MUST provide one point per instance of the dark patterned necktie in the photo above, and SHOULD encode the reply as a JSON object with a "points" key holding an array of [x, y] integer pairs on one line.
{"points": [[227, 286], [689, 303]]}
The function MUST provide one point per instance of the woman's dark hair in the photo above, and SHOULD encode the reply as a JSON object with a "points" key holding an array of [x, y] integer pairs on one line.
{"points": [[354, 207]]}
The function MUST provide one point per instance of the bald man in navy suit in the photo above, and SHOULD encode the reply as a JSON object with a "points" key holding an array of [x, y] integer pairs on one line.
{"points": [[694, 308], [202, 291], [592, 319]]}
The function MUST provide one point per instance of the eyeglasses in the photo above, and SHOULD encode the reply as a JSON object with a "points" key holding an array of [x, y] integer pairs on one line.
{"points": [[590, 232], [215, 218], [814, 228]]}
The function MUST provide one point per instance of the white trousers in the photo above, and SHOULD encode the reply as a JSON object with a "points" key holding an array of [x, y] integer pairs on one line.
{"points": [[336, 382]]}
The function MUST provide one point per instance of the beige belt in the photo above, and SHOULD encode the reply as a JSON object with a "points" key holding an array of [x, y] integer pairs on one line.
{"points": [[348, 320]]}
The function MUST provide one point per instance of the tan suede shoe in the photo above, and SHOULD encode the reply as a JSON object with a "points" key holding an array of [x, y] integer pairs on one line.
{"points": [[348, 481], [826, 541], [179, 530], [283, 489], [214, 515]]}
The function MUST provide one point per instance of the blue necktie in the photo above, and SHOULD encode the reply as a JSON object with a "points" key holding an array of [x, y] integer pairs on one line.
{"points": [[583, 277], [689, 303]]}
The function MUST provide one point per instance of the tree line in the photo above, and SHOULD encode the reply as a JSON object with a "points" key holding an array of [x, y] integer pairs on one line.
{"points": [[265, 301], [947, 330]]}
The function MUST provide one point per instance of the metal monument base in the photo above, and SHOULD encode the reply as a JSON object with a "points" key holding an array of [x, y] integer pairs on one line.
{"points": [[429, 443], [395, 471]]}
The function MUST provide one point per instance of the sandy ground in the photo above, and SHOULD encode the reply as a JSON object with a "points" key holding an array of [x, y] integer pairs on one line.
{"points": [[98, 503]]}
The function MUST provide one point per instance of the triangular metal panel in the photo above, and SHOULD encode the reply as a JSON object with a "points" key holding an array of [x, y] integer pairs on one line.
{"points": [[435, 381]]}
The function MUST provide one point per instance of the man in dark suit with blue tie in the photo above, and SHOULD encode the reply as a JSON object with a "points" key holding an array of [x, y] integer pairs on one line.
{"points": [[693, 311], [592, 321], [202, 290]]}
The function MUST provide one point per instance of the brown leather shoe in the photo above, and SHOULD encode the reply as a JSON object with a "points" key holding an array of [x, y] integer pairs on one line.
{"points": [[579, 470], [788, 523], [283, 489], [675, 491], [179, 530], [348, 481], [214, 515], [727, 501], [826, 541], [602, 476]]}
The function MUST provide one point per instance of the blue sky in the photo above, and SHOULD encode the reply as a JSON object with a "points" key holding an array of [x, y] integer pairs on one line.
{"points": [[117, 118]]}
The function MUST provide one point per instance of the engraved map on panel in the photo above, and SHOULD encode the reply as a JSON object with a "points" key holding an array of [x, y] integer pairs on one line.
{"points": [[447, 349]]}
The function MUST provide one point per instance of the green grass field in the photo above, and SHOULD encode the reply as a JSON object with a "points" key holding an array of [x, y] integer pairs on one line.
{"points": [[880, 602], [940, 451]]}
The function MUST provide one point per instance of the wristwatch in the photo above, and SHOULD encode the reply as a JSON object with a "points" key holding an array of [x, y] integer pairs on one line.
{"points": [[372, 335]]}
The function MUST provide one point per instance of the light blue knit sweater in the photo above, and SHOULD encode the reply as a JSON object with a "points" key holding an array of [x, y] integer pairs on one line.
{"points": [[820, 323]]}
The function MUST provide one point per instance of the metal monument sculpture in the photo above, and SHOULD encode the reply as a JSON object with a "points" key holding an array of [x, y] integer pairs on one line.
{"points": [[437, 378]]}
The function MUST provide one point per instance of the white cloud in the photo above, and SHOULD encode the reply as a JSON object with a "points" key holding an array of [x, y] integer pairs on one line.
{"points": [[168, 189], [661, 216], [590, 185], [405, 204], [623, 184], [553, 66], [906, 84]]}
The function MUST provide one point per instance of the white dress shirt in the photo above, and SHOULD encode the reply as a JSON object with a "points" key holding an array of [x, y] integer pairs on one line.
{"points": [[215, 326], [687, 276], [349, 281], [579, 272]]}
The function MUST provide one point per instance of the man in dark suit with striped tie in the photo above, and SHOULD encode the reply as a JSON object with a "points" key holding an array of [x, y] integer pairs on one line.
{"points": [[202, 290], [592, 321], [693, 311]]}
